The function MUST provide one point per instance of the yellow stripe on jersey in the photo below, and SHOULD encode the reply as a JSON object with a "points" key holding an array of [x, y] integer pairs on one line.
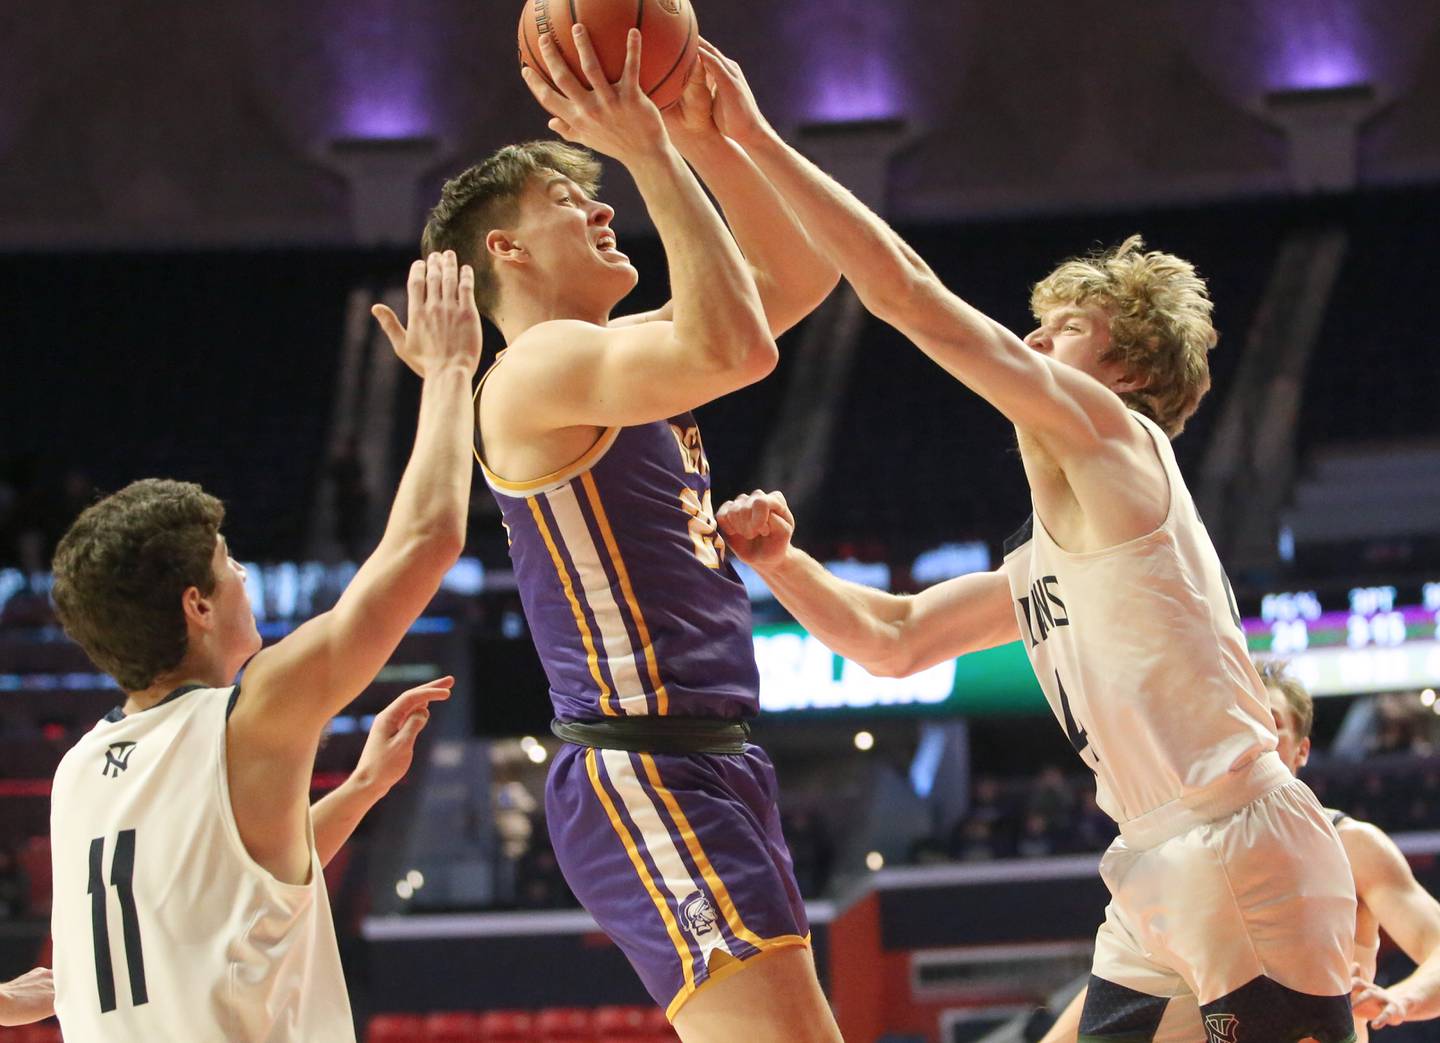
{"points": [[587, 460], [671, 927], [702, 862], [590, 655], [662, 698]]}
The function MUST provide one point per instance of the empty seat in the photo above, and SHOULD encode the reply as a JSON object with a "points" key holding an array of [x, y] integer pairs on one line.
{"points": [[396, 1028], [563, 1024]]}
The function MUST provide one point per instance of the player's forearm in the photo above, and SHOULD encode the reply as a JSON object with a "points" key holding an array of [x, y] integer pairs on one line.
{"points": [[1067, 1026], [880, 265], [792, 274], [431, 503], [336, 815], [716, 307], [857, 622], [891, 279]]}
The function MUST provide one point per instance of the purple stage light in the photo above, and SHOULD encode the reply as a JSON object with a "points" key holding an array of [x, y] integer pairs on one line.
{"points": [[384, 64], [867, 90], [851, 61], [1317, 44], [385, 111]]}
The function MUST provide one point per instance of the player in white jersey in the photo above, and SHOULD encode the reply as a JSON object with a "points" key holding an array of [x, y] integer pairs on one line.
{"points": [[1387, 893], [189, 903], [1124, 610]]}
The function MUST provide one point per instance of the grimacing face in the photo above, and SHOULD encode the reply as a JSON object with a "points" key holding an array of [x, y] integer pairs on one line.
{"points": [[567, 236], [1077, 335]]}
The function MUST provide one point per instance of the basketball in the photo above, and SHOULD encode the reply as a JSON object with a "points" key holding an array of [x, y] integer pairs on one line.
{"points": [[671, 39]]}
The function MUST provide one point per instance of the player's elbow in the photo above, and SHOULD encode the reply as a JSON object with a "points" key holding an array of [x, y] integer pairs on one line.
{"points": [[892, 657], [437, 546], [899, 297], [748, 357]]}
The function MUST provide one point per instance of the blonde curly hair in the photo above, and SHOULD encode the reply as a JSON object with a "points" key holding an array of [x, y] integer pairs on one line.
{"points": [[1160, 324]]}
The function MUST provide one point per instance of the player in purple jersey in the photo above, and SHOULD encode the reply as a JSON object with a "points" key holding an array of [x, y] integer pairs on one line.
{"points": [[662, 816]]}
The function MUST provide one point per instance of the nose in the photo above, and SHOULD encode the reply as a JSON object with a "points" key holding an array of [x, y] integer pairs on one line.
{"points": [[601, 214], [1039, 340]]}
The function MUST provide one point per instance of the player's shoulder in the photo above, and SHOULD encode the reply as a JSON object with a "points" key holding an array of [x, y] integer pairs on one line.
{"points": [[1371, 852]]}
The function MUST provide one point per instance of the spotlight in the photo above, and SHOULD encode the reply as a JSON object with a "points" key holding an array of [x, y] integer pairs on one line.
{"points": [[864, 741]]}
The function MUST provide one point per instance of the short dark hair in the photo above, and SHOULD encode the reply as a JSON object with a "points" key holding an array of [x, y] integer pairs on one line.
{"points": [[122, 568], [1275, 674], [487, 196]]}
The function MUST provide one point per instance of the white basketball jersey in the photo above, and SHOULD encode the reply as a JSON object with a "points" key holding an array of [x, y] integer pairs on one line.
{"points": [[165, 929], [1140, 652]]}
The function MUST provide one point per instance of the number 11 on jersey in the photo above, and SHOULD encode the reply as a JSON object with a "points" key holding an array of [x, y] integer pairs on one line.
{"points": [[122, 878]]}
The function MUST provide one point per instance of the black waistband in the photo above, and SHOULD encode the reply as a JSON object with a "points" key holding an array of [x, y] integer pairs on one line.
{"points": [[647, 734]]}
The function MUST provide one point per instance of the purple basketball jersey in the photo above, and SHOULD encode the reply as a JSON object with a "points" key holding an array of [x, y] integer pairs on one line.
{"points": [[632, 602]]}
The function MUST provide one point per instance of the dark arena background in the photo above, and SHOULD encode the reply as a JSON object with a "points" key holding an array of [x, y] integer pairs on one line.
{"points": [[199, 203]]}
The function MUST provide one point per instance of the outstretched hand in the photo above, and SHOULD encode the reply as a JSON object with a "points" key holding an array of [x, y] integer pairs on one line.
{"points": [[757, 527], [390, 748], [736, 112], [617, 119], [443, 323], [1377, 1005]]}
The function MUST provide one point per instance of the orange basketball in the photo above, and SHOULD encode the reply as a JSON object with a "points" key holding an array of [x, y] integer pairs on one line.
{"points": [[670, 35]]}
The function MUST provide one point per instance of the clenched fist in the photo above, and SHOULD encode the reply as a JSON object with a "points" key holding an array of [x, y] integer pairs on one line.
{"points": [[757, 527]]}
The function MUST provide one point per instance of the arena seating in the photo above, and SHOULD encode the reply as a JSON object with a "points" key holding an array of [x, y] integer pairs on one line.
{"points": [[613, 1024]]}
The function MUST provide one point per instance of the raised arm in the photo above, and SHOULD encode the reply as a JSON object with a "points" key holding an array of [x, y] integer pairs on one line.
{"points": [[889, 635], [1064, 408], [792, 274], [717, 340], [1409, 914], [293, 688]]}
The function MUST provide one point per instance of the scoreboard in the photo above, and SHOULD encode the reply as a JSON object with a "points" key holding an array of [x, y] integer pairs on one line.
{"points": [[1364, 639]]}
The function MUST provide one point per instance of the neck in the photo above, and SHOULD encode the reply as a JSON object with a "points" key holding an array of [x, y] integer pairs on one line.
{"points": [[207, 675], [518, 312]]}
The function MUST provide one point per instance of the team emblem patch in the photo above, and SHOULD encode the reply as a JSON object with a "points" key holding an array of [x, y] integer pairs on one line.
{"points": [[698, 916], [117, 759], [1222, 1028]]}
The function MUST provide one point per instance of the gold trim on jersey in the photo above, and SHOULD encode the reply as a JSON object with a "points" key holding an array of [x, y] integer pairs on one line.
{"points": [[702, 861], [545, 483], [682, 948], [592, 493], [591, 657], [601, 597], [765, 947]]}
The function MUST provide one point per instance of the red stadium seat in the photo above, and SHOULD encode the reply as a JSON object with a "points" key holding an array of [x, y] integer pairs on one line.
{"points": [[453, 1027], [396, 1028], [506, 1026], [563, 1024], [34, 858], [46, 1032], [620, 1022]]}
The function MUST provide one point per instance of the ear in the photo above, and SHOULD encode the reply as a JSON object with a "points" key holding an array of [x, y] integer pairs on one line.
{"points": [[1303, 751], [199, 612], [503, 246], [1130, 381]]}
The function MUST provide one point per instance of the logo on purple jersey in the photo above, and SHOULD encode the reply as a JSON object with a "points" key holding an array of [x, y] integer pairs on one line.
{"points": [[699, 917], [1222, 1028]]}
